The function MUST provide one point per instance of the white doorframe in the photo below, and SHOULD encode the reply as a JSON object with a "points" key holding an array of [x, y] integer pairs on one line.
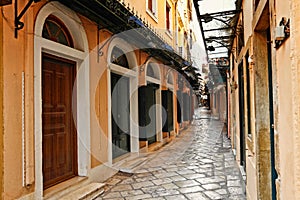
{"points": [[133, 95], [79, 54], [158, 107]]}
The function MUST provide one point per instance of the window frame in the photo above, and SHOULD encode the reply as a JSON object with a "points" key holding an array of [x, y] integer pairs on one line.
{"points": [[61, 29], [153, 11]]}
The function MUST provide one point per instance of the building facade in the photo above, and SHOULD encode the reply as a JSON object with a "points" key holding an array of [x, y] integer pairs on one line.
{"points": [[86, 86], [260, 39], [263, 98]]}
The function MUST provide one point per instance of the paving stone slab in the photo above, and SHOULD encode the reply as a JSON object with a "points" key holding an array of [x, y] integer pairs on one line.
{"points": [[131, 193], [191, 189], [186, 183], [176, 197], [197, 196], [199, 164]]}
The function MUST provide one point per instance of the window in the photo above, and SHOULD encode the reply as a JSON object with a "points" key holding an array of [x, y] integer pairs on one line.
{"points": [[56, 31], [256, 4], [168, 17], [152, 7], [119, 58], [153, 70]]}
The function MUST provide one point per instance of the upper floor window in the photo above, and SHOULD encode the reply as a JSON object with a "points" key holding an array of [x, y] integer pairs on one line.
{"points": [[55, 30], [256, 2], [152, 7], [168, 17]]}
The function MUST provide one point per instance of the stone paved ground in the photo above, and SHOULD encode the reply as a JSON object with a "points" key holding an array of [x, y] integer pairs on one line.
{"points": [[199, 164]]}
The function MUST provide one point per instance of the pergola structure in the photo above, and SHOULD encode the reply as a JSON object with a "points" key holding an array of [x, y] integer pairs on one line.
{"points": [[218, 21]]}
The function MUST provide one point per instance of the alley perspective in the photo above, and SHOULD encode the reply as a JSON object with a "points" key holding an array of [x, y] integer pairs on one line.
{"points": [[149, 99], [198, 164]]}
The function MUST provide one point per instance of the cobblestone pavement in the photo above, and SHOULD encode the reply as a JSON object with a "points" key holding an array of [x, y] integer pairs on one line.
{"points": [[199, 164]]}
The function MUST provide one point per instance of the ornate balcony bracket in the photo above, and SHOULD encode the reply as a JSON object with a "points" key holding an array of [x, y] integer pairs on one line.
{"points": [[18, 24]]}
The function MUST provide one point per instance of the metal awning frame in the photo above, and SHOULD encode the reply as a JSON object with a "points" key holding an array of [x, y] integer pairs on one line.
{"points": [[218, 29], [118, 17]]}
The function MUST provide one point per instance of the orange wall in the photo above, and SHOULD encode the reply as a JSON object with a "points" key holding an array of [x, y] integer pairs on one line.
{"points": [[1, 106], [17, 57], [98, 95], [22, 49]]}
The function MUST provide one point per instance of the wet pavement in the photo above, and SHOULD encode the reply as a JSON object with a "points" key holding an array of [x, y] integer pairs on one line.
{"points": [[198, 164]]}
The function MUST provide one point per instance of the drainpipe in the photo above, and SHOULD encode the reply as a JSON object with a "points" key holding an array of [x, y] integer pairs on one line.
{"points": [[176, 26], [274, 174]]}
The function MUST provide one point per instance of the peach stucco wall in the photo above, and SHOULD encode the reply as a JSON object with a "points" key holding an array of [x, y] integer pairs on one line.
{"points": [[1, 105], [18, 57]]}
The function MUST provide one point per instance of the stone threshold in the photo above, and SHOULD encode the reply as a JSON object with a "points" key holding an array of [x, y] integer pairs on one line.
{"points": [[74, 188]]}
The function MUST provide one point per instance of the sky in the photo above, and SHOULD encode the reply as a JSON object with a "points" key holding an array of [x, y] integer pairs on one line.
{"points": [[209, 6]]}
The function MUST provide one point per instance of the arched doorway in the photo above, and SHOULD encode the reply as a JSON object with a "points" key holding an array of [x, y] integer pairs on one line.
{"points": [[60, 88], [58, 128], [122, 106], [149, 112]]}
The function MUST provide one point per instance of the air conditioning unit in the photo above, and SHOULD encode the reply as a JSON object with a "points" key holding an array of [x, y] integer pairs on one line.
{"points": [[279, 33]]}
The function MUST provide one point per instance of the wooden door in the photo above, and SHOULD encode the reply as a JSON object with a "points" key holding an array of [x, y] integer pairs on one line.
{"points": [[242, 116], [59, 134]]}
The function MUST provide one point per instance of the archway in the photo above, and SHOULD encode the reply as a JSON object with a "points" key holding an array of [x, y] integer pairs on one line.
{"points": [[50, 50]]}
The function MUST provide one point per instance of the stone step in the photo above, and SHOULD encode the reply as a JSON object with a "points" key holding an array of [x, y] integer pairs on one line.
{"points": [[131, 165], [64, 188], [90, 191]]}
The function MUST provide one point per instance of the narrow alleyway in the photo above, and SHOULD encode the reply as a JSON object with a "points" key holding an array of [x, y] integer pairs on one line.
{"points": [[198, 164]]}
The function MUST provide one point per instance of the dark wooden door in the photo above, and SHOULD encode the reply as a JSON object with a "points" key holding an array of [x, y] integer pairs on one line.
{"points": [[167, 117], [242, 116], [147, 112], [59, 135], [120, 115], [150, 113]]}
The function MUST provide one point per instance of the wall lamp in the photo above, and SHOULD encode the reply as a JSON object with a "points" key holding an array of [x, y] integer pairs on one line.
{"points": [[282, 32], [211, 48]]}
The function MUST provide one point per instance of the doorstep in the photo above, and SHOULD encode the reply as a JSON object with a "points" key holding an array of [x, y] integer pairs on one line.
{"points": [[74, 188]]}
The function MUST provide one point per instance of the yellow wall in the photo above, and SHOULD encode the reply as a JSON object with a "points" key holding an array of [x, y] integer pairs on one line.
{"points": [[160, 21]]}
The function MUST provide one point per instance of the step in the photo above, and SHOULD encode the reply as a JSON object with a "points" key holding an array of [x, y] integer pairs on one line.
{"points": [[64, 188], [131, 165], [90, 191]]}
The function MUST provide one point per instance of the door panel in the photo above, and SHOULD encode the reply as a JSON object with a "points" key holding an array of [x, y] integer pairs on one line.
{"points": [[147, 111], [120, 115], [179, 104], [167, 103], [59, 135], [150, 114], [242, 116]]}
